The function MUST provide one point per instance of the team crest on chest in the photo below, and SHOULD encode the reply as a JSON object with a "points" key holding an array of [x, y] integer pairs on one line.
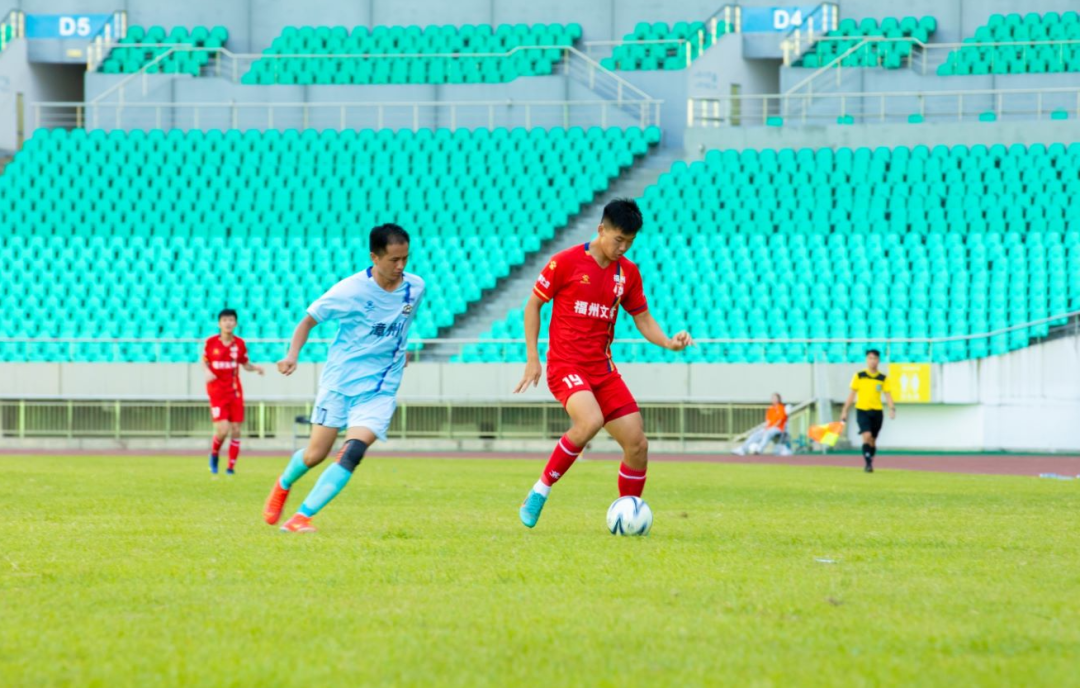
{"points": [[620, 284], [407, 308]]}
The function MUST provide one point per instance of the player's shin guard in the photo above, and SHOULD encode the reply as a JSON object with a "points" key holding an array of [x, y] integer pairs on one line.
{"points": [[562, 458], [631, 481], [868, 453], [294, 471], [234, 453], [335, 478]]}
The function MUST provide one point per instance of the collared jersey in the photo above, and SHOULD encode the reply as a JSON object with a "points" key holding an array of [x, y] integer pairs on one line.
{"points": [[368, 353], [224, 361], [586, 301], [869, 387]]}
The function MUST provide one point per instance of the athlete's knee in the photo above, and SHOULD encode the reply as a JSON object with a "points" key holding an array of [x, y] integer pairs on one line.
{"points": [[589, 425], [639, 447], [221, 432], [236, 432], [351, 454], [313, 457]]}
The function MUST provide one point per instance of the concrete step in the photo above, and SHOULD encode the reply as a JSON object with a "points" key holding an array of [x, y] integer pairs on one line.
{"points": [[513, 290]]}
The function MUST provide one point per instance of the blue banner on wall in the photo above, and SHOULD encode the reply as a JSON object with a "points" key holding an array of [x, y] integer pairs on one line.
{"points": [[775, 19], [65, 25]]}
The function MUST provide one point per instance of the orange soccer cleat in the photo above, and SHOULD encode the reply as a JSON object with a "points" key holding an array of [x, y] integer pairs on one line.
{"points": [[275, 503], [299, 523]]}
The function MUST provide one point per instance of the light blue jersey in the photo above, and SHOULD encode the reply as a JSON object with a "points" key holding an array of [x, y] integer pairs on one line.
{"points": [[368, 355]]}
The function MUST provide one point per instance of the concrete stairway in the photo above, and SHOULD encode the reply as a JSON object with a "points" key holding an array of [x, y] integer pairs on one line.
{"points": [[514, 289]]}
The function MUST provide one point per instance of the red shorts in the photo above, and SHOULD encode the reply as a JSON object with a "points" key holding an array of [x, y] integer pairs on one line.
{"points": [[227, 407], [610, 390]]}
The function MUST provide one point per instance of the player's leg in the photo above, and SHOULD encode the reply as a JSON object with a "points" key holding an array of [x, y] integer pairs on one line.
{"points": [[235, 432], [328, 416], [318, 448], [744, 448], [876, 421], [586, 419], [866, 431], [368, 420], [218, 413], [629, 432]]}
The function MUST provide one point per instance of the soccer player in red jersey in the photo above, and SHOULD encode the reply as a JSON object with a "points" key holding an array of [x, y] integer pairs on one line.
{"points": [[588, 285], [223, 356]]}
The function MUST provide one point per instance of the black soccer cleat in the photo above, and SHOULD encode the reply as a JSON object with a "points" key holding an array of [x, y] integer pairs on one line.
{"points": [[869, 468]]}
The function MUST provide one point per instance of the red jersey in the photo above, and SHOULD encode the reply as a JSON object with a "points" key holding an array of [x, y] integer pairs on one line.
{"points": [[224, 361], [586, 304]]}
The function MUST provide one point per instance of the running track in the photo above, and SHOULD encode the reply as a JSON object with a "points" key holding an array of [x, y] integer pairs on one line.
{"points": [[980, 464]]}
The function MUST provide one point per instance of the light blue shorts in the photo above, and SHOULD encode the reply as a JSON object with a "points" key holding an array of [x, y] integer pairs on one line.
{"points": [[371, 411]]}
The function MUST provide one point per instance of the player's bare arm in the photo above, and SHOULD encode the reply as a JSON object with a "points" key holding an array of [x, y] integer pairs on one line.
{"points": [[849, 402], [650, 329], [287, 365], [208, 373], [254, 369], [532, 336], [892, 406]]}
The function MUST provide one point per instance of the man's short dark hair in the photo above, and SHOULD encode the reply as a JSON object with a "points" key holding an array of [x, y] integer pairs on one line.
{"points": [[384, 235], [227, 313], [624, 215], [873, 351]]}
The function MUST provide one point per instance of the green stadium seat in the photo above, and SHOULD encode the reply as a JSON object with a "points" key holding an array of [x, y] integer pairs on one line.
{"points": [[1045, 46], [519, 50], [139, 226], [136, 50], [888, 55], [683, 43], [958, 254]]}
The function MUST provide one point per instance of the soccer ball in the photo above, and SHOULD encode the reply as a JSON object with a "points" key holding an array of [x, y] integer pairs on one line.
{"points": [[629, 516]]}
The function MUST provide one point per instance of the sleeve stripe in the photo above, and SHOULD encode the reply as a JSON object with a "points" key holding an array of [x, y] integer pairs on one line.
{"points": [[541, 294], [638, 310]]}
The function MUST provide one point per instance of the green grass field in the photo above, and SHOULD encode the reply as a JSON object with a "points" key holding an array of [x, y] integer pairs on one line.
{"points": [[145, 572]]}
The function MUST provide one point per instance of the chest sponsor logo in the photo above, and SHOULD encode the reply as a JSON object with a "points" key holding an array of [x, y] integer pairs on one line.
{"points": [[387, 329], [595, 310]]}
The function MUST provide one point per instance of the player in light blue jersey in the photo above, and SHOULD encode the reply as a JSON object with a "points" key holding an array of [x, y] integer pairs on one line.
{"points": [[363, 371]]}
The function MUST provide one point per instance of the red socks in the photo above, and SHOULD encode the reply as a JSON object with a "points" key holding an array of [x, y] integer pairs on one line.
{"points": [[234, 452], [215, 445], [560, 462], [631, 482]]}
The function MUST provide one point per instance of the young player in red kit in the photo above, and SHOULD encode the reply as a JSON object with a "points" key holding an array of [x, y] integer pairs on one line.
{"points": [[223, 357], [588, 285]]}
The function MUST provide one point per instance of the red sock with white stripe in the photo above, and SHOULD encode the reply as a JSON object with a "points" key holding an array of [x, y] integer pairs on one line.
{"points": [[631, 481], [234, 453], [562, 458], [215, 445]]}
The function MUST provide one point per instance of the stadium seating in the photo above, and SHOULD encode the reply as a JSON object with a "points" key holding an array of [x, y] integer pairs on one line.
{"points": [[1031, 52], [7, 33], [152, 232], [890, 55], [685, 42], [897, 243], [141, 46], [489, 54]]}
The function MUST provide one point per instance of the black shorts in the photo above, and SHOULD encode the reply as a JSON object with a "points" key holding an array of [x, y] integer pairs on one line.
{"points": [[870, 421]]}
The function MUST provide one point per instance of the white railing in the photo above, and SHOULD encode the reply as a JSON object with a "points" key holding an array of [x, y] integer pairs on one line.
{"points": [[886, 107], [133, 90], [925, 58], [461, 343], [107, 38], [729, 17], [415, 115], [813, 28]]}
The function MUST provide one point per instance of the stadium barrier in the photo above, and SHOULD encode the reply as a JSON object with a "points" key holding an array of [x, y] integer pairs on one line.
{"points": [[67, 348], [125, 419], [979, 105], [414, 115]]}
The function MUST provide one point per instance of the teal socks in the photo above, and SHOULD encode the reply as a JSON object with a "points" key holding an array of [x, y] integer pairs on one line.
{"points": [[332, 481], [294, 471]]}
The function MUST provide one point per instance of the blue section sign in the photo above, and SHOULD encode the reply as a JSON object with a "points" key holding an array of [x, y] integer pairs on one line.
{"points": [[65, 25], [775, 19]]}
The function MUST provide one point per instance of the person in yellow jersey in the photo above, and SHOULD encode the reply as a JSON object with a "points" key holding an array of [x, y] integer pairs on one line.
{"points": [[867, 388]]}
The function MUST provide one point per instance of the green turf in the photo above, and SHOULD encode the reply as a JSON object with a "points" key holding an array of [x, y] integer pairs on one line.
{"points": [[144, 572]]}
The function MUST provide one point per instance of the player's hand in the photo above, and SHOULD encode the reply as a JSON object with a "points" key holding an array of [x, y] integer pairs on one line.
{"points": [[680, 341], [843, 417], [531, 377], [286, 366], [892, 414]]}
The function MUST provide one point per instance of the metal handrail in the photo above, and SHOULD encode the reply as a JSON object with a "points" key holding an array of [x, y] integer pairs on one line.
{"points": [[508, 340], [622, 84], [697, 107]]}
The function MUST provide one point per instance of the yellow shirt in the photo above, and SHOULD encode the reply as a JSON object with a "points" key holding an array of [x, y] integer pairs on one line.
{"points": [[869, 387]]}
